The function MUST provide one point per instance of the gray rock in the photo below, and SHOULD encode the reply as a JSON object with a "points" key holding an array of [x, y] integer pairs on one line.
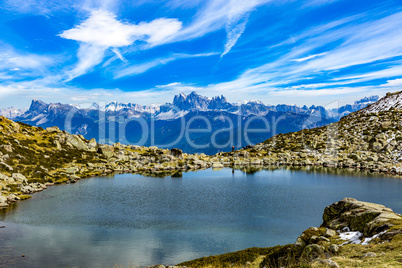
{"points": [[53, 129], [298, 246], [217, 165], [333, 248], [3, 201], [106, 150], [57, 143], [330, 233], [12, 198], [368, 255], [377, 146], [72, 170], [19, 178], [7, 167], [92, 143], [27, 189], [5, 179], [7, 147], [313, 251], [327, 263], [77, 142]]}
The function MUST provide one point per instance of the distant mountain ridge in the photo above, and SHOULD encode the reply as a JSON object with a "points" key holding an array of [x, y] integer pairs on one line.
{"points": [[11, 112], [162, 125]]}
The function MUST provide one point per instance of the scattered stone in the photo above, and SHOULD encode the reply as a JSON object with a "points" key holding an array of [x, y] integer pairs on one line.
{"points": [[368, 255], [53, 129], [3, 201], [327, 263], [312, 251], [217, 165], [106, 150], [7, 147], [333, 248], [19, 178], [330, 233]]}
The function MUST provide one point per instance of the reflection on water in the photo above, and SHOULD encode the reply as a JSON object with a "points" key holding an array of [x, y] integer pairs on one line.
{"points": [[140, 220]]}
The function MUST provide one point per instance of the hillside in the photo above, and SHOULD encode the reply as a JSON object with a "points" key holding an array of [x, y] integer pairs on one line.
{"points": [[364, 140]]}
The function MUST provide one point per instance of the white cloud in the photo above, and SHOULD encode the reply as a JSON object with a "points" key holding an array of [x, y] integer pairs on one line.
{"points": [[170, 85], [319, 2], [394, 83], [102, 30], [217, 14], [233, 34], [12, 60], [309, 57], [88, 57], [118, 54], [237, 19]]}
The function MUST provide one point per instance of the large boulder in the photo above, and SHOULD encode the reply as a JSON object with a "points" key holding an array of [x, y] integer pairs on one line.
{"points": [[76, 142], [106, 150], [367, 218], [92, 144], [53, 129]]}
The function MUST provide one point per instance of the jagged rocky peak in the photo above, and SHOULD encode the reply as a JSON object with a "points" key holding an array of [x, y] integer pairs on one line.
{"points": [[37, 105], [94, 106], [219, 103], [191, 101]]}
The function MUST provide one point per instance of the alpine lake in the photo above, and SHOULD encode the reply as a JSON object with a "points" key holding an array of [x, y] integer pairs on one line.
{"points": [[132, 220]]}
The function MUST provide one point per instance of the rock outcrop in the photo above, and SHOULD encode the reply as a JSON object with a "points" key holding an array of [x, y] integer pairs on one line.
{"points": [[367, 218], [358, 222]]}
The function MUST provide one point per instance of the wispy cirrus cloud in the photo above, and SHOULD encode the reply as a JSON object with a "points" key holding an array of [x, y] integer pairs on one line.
{"points": [[309, 57], [237, 19], [356, 44], [12, 60], [17, 65], [145, 66], [231, 15]]}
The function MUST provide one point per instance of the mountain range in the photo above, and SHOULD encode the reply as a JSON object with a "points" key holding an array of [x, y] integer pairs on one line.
{"points": [[193, 123]]}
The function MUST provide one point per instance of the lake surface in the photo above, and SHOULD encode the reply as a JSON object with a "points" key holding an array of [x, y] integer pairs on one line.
{"points": [[135, 220]]}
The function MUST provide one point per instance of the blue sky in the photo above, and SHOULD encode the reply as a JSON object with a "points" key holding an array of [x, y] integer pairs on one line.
{"points": [[294, 52]]}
